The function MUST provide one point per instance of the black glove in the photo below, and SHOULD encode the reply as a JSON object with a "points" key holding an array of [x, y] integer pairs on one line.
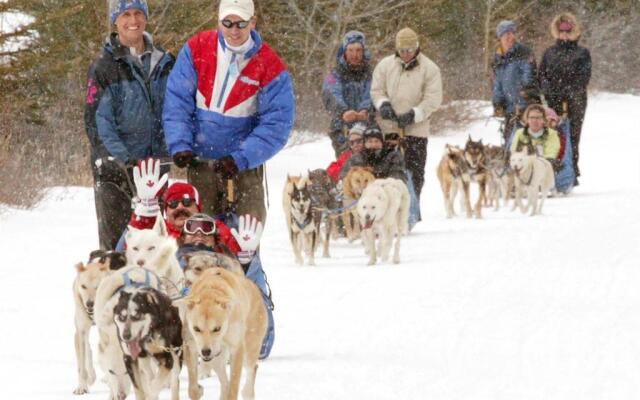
{"points": [[387, 112], [406, 119], [226, 166], [183, 159]]}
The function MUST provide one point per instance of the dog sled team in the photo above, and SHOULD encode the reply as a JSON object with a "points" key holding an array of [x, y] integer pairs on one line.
{"points": [[178, 279]]}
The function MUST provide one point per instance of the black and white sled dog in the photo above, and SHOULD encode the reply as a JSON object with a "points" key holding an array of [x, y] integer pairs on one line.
{"points": [[303, 227], [85, 286], [150, 332]]}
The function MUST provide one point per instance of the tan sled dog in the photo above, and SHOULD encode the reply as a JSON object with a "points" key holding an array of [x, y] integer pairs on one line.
{"points": [[227, 317], [85, 285], [353, 184], [289, 183], [452, 174]]}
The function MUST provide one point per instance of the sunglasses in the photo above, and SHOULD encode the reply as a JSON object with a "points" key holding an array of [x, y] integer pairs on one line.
{"points": [[565, 30], [355, 141], [407, 51], [186, 201], [206, 227], [238, 24]]}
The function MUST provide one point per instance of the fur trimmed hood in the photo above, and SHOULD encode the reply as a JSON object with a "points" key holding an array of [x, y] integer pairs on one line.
{"points": [[566, 17]]}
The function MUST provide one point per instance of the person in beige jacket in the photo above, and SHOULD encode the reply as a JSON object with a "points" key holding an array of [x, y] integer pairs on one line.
{"points": [[406, 89]]}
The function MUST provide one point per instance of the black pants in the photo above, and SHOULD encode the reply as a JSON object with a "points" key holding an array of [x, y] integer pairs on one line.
{"points": [[248, 191], [577, 104], [112, 193], [415, 158]]}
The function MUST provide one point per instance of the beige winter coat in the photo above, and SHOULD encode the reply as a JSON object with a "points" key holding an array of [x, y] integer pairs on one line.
{"points": [[419, 89]]}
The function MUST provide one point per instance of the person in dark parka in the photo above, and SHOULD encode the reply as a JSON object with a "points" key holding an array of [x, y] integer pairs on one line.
{"points": [[564, 75], [123, 113]]}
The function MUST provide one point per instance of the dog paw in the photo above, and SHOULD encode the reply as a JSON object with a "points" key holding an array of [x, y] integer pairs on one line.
{"points": [[81, 390], [196, 392]]}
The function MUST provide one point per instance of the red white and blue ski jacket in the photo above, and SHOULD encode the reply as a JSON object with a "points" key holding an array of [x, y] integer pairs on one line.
{"points": [[218, 103]]}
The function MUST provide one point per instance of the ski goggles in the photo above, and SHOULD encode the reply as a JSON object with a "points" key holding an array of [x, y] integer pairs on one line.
{"points": [[409, 50], [204, 226], [238, 24], [186, 201]]}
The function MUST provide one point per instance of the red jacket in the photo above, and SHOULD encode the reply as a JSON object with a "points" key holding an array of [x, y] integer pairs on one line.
{"points": [[222, 231], [335, 167]]}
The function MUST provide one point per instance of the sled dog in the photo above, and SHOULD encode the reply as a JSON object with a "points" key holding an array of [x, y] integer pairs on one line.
{"points": [[533, 175], [155, 250], [323, 198], [303, 230], [200, 261], [85, 285], [352, 186], [149, 329], [474, 156], [226, 316], [500, 180], [452, 174], [383, 210], [289, 183]]}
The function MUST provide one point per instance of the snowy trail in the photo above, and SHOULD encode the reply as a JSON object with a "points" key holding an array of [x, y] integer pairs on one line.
{"points": [[501, 308]]}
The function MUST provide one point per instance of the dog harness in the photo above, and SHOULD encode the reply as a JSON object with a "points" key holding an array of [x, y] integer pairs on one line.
{"points": [[128, 283]]}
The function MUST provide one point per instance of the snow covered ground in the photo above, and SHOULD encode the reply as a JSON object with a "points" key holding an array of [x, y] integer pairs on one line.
{"points": [[507, 307]]}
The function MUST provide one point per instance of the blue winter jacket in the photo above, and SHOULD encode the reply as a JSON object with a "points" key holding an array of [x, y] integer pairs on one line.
{"points": [[246, 110], [123, 110], [346, 88], [512, 72]]}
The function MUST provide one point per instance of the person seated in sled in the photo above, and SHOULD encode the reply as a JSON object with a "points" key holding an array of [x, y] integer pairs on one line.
{"points": [[385, 161], [201, 232], [356, 144], [538, 137]]}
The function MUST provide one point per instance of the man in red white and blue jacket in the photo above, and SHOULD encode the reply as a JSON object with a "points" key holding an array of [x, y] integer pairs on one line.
{"points": [[230, 99]]}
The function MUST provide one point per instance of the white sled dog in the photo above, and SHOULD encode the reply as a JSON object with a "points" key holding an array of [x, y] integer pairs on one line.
{"points": [[227, 318], [85, 285], [154, 250], [532, 174], [383, 209]]}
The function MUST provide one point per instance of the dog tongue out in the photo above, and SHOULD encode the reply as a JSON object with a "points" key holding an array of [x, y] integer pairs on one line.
{"points": [[134, 349]]}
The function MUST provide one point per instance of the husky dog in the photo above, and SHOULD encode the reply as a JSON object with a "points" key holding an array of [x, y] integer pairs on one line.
{"points": [[303, 231], [200, 261], [532, 174], [452, 174], [383, 209], [353, 184], [474, 156], [286, 196], [149, 328], [155, 250], [226, 316], [500, 176], [85, 285], [323, 198]]}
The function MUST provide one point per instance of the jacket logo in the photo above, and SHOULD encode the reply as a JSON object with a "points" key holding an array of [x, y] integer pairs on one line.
{"points": [[248, 80]]}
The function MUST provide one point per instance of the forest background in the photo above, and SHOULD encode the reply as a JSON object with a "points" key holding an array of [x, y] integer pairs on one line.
{"points": [[44, 63]]}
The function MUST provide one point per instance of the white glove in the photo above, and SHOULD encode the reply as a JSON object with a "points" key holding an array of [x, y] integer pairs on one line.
{"points": [[248, 237], [148, 183]]}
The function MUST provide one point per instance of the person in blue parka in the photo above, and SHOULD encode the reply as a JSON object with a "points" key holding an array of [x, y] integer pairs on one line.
{"points": [[346, 90]]}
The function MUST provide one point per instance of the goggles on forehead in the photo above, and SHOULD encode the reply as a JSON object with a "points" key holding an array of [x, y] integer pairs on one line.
{"points": [[186, 201], [205, 226], [238, 24]]}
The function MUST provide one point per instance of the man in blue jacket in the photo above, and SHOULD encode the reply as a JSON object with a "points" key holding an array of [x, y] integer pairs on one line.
{"points": [[123, 110], [346, 90], [514, 68], [230, 101]]}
